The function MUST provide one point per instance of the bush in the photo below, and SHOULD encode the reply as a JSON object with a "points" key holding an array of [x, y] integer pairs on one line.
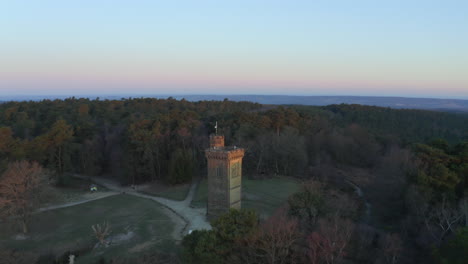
{"points": [[200, 247]]}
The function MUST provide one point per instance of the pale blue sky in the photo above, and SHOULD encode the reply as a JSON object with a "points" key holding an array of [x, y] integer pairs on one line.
{"points": [[404, 48]]}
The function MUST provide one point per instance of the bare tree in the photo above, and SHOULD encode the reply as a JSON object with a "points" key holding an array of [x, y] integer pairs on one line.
{"points": [[463, 205], [19, 187], [441, 219], [328, 244], [363, 238], [274, 242], [101, 232], [392, 247]]}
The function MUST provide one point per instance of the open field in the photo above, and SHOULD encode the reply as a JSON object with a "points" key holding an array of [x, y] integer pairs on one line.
{"points": [[173, 192], [78, 190], [137, 225], [264, 196]]}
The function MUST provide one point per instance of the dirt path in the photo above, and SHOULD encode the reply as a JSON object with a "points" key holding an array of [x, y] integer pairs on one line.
{"points": [[367, 214], [194, 218], [98, 196], [183, 216]]}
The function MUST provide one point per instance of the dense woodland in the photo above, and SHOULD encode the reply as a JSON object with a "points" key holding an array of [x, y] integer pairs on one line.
{"points": [[411, 165]]}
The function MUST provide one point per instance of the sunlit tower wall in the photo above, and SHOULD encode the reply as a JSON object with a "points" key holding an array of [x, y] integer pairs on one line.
{"points": [[224, 177]]}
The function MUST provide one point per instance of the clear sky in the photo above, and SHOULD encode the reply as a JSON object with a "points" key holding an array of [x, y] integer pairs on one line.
{"points": [[349, 47]]}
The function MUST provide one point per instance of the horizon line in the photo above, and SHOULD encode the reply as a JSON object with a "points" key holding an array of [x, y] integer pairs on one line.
{"points": [[138, 95]]}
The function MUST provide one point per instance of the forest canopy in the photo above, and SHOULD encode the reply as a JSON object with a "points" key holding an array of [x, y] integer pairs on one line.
{"points": [[142, 139]]}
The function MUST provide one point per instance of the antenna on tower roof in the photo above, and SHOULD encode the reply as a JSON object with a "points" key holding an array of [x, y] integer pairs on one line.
{"points": [[216, 127]]}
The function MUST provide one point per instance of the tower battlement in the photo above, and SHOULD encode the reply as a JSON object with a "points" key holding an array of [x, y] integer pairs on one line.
{"points": [[224, 153]]}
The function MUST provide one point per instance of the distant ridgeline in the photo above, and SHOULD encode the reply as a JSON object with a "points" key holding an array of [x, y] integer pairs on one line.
{"points": [[409, 125], [449, 105], [146, 138]]}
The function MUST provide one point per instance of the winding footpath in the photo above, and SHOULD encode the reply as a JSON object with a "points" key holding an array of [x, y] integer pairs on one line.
{"points": [[178, 211], [53, 207], [367, 214]]}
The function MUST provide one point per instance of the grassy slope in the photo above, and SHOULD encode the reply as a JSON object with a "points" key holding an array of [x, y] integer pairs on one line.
{"points": [[61, 230], [77, 190], [264, 196], [175, 192], [201, 195]]}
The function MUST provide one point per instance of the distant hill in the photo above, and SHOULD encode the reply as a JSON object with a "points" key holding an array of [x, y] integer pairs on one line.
{"points": [[448, 105], [393, 102]]}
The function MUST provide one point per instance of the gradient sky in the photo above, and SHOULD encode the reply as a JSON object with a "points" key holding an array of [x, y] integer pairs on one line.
{"points": [[350, 47]]}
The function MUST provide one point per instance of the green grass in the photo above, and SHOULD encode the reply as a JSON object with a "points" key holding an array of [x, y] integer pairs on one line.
{"points": [[78, 189], [74, 183], [201, 195], [66, 229], [264, 196], [175, 192]]}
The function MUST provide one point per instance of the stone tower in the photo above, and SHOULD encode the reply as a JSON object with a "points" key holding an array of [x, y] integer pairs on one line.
{"points": [[224, 177]]}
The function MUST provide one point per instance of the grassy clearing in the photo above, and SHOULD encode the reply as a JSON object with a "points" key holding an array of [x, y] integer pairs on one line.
{"points": [[142, 221], [264, 196], [201, 195], [77, 190], [173, 192]]}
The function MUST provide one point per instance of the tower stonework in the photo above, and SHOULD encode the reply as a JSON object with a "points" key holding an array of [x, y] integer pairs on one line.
{"points": [[224, 177]]}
